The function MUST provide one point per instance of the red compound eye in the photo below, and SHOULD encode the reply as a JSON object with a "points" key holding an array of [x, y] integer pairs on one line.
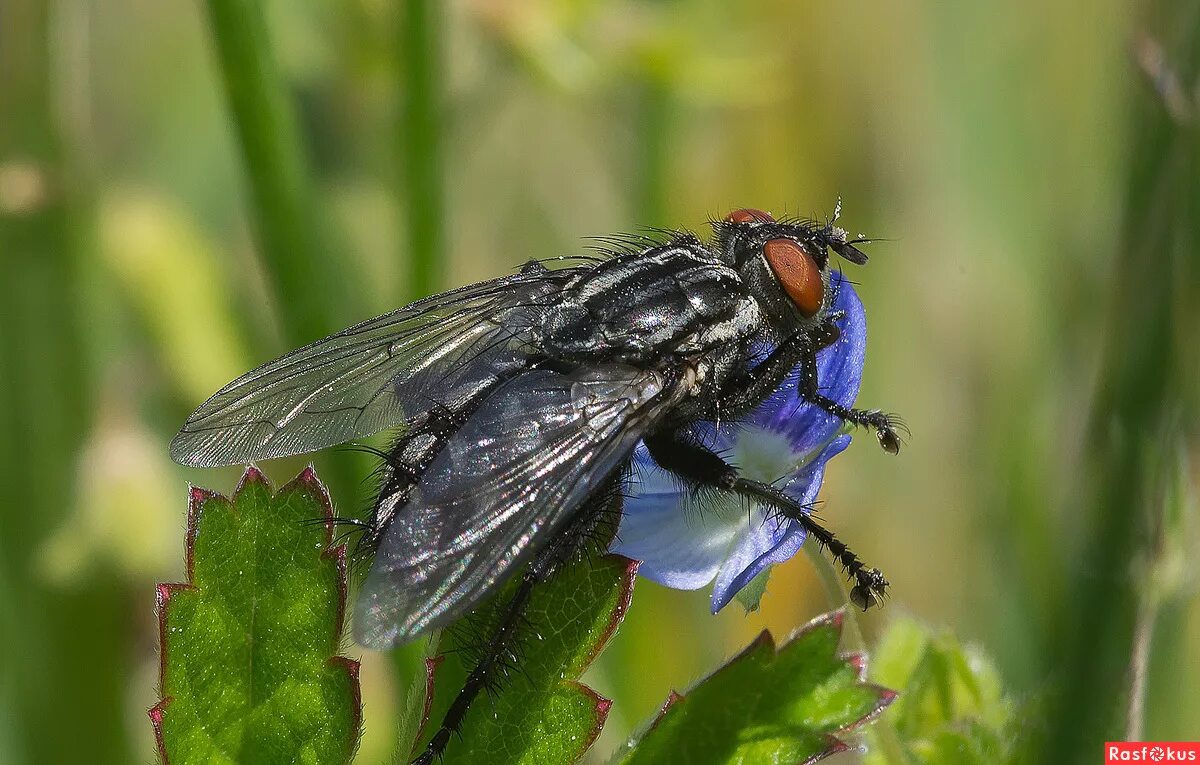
{"points": [[797, 273], [749, 215]]}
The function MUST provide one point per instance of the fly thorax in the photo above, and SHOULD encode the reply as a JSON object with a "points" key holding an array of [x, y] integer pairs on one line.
{"points": [[674, 299]]}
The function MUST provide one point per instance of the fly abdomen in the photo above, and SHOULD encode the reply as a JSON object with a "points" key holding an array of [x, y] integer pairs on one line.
{"points": [[410, 456], [403, 467]]}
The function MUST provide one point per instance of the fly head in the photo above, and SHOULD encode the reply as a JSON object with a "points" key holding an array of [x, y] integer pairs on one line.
{"points": [[785, 264]]}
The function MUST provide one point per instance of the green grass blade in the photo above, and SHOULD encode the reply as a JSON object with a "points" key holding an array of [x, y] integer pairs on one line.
{"points": [[313, 286], [66, 663], [421, 130], [312, 291], [1147, 378]]}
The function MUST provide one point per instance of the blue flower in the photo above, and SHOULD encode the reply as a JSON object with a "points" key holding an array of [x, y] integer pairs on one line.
{"points": [[786, 437]]}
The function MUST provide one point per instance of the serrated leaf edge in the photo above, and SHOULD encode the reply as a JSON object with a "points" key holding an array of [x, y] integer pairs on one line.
{"points": [[673, 698], [431, 666], [624, 600], [857, 660], [198, 497], [601, 704]]}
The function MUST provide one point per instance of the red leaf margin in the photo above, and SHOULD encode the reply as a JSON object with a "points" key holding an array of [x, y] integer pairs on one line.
{"points": [[198, 497], [601, 704], [856, 660]]}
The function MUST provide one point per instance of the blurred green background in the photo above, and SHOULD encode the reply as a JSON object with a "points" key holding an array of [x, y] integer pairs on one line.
{"points": [[188, 189]]}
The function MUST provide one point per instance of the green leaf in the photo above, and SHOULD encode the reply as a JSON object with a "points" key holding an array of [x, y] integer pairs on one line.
{"points": [[413, 691], [951, 708], [541, 715], [767, 705], [751, 595], [249, 671]]}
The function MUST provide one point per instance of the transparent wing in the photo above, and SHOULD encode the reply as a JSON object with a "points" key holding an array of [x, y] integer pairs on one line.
{"points": [[499, 490], [371, 376]]}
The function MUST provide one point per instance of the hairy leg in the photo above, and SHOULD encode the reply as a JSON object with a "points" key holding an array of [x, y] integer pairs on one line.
{"points": [[498, 646], [886, 426], [747, 389], [592, 523], [744, 391], [699, 466]]}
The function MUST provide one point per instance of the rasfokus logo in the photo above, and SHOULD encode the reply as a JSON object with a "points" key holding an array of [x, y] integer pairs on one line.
{"points": [[1151, 751]]}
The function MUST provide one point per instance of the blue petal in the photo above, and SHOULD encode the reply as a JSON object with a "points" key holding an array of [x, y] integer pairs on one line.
{"points": [[677, 548], [804, 484], [771, 542]]}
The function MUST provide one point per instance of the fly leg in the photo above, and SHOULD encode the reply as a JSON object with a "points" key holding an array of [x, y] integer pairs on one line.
{"points": [[594, 523], [699, 466], [746, 390], [498, 646], [885, 425]]}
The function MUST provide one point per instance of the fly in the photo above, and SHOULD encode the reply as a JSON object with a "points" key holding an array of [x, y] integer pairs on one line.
{"points": [[519, 402]]}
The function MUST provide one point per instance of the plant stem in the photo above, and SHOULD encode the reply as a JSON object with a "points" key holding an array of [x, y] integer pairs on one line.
{"points": [[421, 132], [1161, 578], [1139, 667], [67, 661], [311, 293], [835, 590], [1146, 376]]}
